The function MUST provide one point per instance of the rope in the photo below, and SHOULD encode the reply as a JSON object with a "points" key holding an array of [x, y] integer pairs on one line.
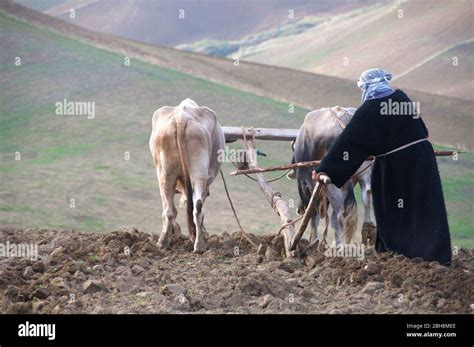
{"points": [[279, 177], [365, 168], [402, 147], [288, 224], [252, 131], [342, 125], [339, 120], [387, 153], [243, 135], [323, 197], [235, 213], [256, 180], [253, 179]]}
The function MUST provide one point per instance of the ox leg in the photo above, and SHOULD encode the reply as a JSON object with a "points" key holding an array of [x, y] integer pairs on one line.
{"points": [[337, 222], [169, 212], [336, 200], [368, 228], [199, 194], [314, 227], [367, 201]]}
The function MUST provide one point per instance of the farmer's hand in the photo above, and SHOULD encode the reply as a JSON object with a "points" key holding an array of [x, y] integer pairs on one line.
{"points": [[321, 177]]}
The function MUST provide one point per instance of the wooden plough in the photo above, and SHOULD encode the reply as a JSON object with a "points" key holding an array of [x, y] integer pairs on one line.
{"points": [[249, 135]]}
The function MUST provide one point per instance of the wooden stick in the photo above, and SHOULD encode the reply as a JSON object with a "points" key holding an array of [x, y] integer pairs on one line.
{"points": [[311, 163], [274, 198], [307, 214], [446, 153], [276, 168], [235, 133]]}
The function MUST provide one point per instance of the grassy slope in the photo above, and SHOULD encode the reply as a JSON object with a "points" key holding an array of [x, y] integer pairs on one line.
{"points": [[157, 22], [72, 157], [40, 5], [457, 63], [301, 88], [376, 36]]}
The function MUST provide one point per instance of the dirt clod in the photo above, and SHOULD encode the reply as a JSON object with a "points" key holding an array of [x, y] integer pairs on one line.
{"points": [[91, 286], [124, 272], [173, 289], [28, 272], [371, 287], [41, 293]]}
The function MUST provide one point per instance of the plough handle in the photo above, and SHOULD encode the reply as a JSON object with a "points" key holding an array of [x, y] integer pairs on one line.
{"points": [[307, 214]]}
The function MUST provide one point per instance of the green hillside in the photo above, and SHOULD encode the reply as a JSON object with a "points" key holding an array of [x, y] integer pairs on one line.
{"points": [[72, 157], [458, 62], [397, 35]]}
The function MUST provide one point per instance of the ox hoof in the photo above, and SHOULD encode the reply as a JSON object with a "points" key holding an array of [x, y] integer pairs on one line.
{"points": [[163, 242], [176, 234], [373, 236], [200, 246], [199, 250], [368, 234]]}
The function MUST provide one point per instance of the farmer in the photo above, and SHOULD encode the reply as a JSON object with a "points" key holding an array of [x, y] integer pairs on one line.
{"points": [[408, 200]]}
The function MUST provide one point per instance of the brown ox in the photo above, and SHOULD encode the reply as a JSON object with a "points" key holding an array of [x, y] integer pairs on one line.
{"points": [[184, 143]]}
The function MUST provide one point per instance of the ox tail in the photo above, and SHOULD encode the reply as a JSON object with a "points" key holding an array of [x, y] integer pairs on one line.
{"points": [[181, 124], [350, 213], [291, 175]]}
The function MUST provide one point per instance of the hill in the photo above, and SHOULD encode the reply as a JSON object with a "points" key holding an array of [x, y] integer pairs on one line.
{"points": [[427, 75], [64, 158], [170, 23], [400, 36], [449, 119]]}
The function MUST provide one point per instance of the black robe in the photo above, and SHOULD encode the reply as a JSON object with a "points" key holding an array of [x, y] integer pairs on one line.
{"points": [[407, 195]]}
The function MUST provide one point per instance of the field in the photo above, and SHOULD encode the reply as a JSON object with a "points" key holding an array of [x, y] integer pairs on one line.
{"points": [[84, 189], [89, 273], [64, 158]]}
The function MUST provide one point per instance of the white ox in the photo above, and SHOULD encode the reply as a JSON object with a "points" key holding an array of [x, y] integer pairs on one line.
{"points": [[184, 143]]}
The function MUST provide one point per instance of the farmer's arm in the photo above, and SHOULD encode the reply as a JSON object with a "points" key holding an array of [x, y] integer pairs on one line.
{"points": [[355, 144]]}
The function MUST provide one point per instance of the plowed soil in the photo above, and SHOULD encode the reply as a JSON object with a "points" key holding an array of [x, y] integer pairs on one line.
{"points": [[124, 272]]}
